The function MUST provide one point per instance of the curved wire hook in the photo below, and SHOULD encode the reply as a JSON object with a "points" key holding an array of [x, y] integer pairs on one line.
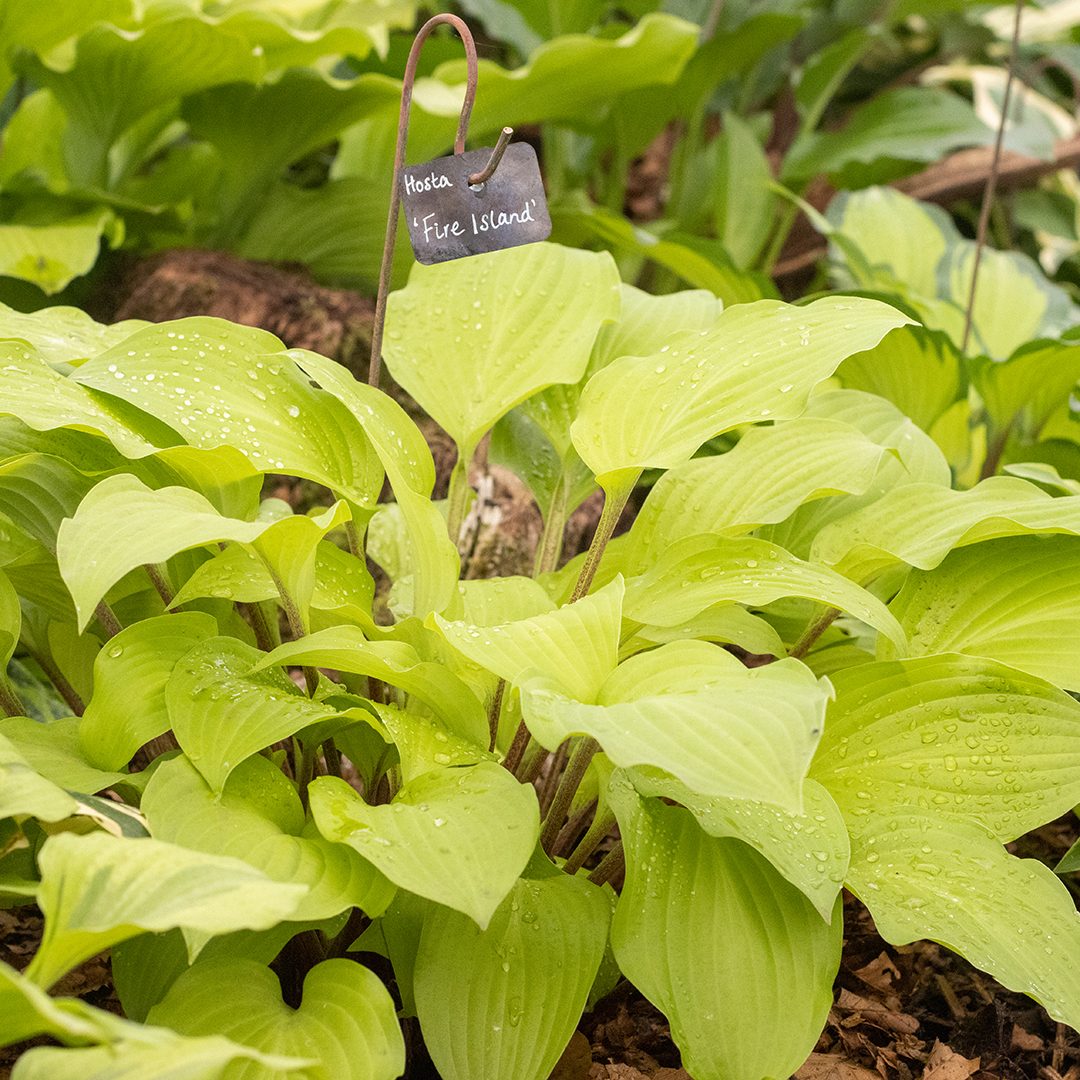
{"points": [[399, 161]]}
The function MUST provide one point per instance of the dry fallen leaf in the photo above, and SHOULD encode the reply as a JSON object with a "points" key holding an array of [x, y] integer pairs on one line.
{"points": [[946, 1064], [876, 1013], [1021, 1040], [576, 1060], [600, 1071], [882, 974], [833, 1067]]}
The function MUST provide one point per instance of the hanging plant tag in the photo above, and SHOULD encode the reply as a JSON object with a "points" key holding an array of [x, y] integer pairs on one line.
{"points": [[449, 219]]}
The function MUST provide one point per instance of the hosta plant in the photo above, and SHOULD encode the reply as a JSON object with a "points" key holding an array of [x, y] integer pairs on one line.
{"points": [[811, 662]]}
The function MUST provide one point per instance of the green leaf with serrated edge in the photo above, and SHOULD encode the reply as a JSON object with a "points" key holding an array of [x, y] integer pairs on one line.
{"points": [[725, 622], [180, 1059], [732, 731], [946, 733], [920, 524], [916, 459], [697, 913], [130, 674], [97, 890], [575, 648], [1022, 392], [249, 394], [475, 989], [918, 370], [1016, 600], [758, 361], [346, 1015], [811, 849], [25, 792], [122, 524], [458, 836], [222, 711], [344, 648], [52, 749], [767, 474], [922, 874], [424, 744], [409, 467], [44, 400], [182, 809], [698, 571], [523, 318]]}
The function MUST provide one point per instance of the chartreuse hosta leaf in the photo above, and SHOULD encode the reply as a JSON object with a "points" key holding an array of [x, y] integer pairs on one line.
{"points": [[128, 706], [575, 648], [222, 711], [346, 1019], [758, 361], [926, 875], [457, 836], [726, 622], [695, 711], [476, 990], [811, 849], [698, 571], [966, 737], [215, 382], [132, 1051], [44, 400], [344, 648], [1016, 600], [920, 524], [409, 467], [735, 957], [53, 750], [471, 340], [97, 890], [25, 792], [534, 439], [259, 818], [122, 524], [767, 474]]}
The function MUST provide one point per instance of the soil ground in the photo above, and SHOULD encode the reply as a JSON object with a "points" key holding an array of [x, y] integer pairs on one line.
{"points": [[900, 1012]]}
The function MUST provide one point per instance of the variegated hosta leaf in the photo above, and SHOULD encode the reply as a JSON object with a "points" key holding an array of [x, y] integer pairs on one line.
{"points": [[346, 1019], [575, 648], [924, 874], [1016, 600], [471, 340], [699, 571], [811, 849], [969, 738], [97, 890], [457, 836], [736, 957], [758, 361], [477, 991], [722, 729], [258, 818]]}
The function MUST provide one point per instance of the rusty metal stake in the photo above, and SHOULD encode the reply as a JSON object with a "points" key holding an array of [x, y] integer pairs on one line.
{"points": [[399, 161]]}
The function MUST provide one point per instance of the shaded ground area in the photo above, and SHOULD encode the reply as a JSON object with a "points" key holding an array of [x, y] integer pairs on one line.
{"points": [[899, 1013]]}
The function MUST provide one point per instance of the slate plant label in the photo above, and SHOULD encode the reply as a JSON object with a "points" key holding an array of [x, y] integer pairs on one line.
{"points": [[449, 219]]}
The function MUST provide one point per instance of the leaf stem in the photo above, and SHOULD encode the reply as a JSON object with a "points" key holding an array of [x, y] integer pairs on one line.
{"points": [[568, 785], [516, 754], [614, 501], [63, 687], [9, 700], [332, 757], [817, 626], [551, 539], [551, 781], [267, 637], [611, 865], [457, 498], [495, 711], [571, 829], [159, 578], [601, 826], [109, 622]]}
